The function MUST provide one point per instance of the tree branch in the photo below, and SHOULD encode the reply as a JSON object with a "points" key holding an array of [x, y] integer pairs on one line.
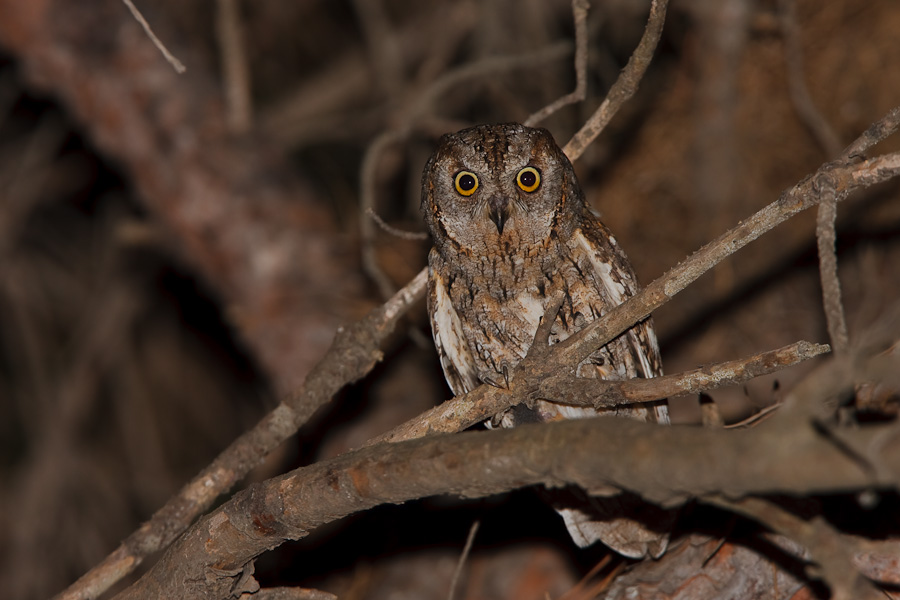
{"points": [[600, 393], [207, 561], [625, 86], [353, 353]]}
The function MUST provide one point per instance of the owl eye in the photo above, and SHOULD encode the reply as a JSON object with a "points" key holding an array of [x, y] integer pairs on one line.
{"points": [[466, 182], [529, 179]]}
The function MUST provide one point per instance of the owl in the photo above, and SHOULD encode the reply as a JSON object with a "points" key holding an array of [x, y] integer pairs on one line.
{"points": [[511, 230]]}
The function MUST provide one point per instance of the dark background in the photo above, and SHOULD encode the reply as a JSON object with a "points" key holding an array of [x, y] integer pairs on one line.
{"points": [[165, 276]]}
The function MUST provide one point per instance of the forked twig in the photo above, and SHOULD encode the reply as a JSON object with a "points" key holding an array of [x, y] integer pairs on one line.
{"points": [[579, 15], [827, 212], [625, 86]]}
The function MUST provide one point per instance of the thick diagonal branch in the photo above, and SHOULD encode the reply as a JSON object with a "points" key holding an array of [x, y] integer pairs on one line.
{"points": [[588, 452], [354, 352]]}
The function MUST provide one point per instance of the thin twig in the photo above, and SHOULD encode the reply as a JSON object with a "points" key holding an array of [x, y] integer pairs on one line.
{"points": [[579, 15], [368, 180], [625, 86], [755, 418], [176, 64], [577, 591], [826, 239], [403, 235], [827, 212], [470, 540], [877, 132], [235, 68], [802, 102]]}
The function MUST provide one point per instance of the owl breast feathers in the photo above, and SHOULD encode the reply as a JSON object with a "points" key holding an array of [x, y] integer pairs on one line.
{"points": [[511, 230]]}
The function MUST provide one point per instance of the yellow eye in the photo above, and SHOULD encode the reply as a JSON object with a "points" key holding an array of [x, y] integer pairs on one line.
{"points": [[529, 179], [466, 182]]}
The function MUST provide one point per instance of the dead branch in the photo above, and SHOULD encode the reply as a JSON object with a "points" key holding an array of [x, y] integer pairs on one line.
{"points": [[484, 402], [208, 560], [625, 86], [565, 389], [353, 353], [826, 238]]}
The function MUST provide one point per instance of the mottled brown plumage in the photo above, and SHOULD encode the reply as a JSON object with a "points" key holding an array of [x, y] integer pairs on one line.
{"points": [[511, 230]]}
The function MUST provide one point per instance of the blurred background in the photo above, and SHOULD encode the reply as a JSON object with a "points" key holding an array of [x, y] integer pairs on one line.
{"points": [[176, 251]]}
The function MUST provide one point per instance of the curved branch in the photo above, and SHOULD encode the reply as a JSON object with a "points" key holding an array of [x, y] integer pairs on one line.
{"points": [[210, 558], [625, 86]]}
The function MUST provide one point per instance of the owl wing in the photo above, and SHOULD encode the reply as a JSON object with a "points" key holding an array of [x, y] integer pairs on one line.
{"points": [[615, 280], [621, 521], [449, 338]]}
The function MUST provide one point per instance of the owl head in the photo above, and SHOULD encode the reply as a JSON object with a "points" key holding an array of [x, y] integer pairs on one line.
{"points": [[500, 187]]}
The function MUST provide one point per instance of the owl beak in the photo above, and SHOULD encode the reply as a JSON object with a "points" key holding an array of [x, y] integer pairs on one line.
{"points": [[498, 211]]}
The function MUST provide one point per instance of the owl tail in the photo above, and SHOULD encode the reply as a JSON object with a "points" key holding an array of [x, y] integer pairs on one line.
{"points": [[624, 523]]}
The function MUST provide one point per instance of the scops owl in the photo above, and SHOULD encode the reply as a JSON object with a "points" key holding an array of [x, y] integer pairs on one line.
{"points": [[511, 230]]}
